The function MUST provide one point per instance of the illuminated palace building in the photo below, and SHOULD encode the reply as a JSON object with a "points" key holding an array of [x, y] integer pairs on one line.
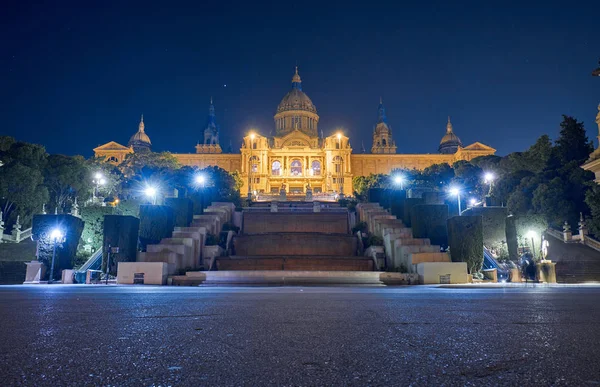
{"points": [[296, 157]]}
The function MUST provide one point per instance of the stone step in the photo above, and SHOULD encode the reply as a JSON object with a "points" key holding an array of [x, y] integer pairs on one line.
{"points": [[303, 263], [275, 222], [285, 244], [281, 277]]}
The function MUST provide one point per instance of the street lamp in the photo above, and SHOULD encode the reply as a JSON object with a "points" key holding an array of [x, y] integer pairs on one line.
{"points": [[531, 234], [56, 236], [456, 192], [341, 173], [489, 178], [399, 180], [473, 202], [252, 136], [98, 181], [151, 193], [200, 180]]}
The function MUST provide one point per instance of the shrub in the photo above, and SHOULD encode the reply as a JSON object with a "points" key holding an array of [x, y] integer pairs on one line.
{"points": [[211, 240], [231, 227], [373, 240], [360, 226]]}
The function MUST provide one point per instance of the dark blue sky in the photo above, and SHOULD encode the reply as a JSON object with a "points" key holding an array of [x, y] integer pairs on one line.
{"points": [[74, 76]]}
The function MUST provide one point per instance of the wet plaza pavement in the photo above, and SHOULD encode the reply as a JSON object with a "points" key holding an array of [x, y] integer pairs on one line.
{"points": [[141, 335]]}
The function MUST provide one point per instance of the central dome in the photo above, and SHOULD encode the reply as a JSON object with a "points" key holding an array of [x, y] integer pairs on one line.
{"points": [[296, 111], [296, 99]]}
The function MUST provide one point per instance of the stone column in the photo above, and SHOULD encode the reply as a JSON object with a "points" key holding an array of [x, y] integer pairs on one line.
{"points": [[1, 227], [16, 233], [567, 235], [583, 231]]}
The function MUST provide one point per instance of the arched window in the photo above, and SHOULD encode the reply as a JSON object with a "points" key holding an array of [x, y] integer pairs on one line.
{"points": [[316, 168], [254, 161], [113, 159], [254, 145], [337, 145], [276, 168], [383, 142], [296, 168]]}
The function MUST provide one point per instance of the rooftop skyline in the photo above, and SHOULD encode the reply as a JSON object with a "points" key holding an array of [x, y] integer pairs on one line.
{"points": [[75, 77]]}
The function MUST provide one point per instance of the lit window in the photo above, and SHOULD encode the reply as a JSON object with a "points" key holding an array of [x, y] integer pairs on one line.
{"points": [[296, 168], [276, 168], [316, 168]]}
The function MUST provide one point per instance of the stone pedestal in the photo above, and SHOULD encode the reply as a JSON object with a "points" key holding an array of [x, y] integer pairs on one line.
{"points": [[273, 206], [316, 207], [68, 276], [491, 274], [546, 271], [515, 275], [309, 194], [36, 271]]}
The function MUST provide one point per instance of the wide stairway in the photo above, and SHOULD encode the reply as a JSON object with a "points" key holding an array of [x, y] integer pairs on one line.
{"points": [[295, 238]]}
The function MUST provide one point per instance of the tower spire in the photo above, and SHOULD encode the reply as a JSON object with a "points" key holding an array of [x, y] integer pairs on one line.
{"points": [[381, 117], [141, 125], [296, 81], [449, 126]]}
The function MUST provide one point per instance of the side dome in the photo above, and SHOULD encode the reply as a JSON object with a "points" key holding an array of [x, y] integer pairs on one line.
{"points": [[140, 141], [450, 142]]}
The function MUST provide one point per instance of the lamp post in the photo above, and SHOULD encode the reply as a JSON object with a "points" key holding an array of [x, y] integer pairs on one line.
{"points": [[341, 173], [98, 181], [252, 135], [455, 191], [531, 234], [473, 202], [200, 180], [399, 180], [151, 193], [57, 236], [489, 179]]}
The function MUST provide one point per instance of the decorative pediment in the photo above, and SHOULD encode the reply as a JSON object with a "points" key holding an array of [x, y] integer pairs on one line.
{"points": [[477, 146], [112, 146], [296, 138]]}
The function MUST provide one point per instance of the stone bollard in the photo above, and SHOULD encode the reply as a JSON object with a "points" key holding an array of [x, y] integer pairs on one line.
{"points": [[316, 207]]}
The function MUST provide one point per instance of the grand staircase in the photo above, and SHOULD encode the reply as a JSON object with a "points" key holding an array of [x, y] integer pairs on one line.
{"points": [[294, 239]]}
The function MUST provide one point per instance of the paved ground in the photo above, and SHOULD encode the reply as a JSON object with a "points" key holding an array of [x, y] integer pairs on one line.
{"points": [[95, 335]]}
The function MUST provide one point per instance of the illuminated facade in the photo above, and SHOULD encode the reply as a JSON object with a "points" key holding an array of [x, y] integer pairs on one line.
{"points": [[297, 157]]}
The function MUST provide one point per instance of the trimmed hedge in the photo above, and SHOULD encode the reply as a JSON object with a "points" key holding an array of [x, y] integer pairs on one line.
{"points": [[397, 198], [93, 229], [409, 203], [156, 223], [183, 209], [120, 231], [71, 226], [430, 221], [465, 236], [494, 224]]}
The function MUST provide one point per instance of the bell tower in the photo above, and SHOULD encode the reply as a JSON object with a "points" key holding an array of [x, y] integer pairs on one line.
{"points": [[382, 134]]}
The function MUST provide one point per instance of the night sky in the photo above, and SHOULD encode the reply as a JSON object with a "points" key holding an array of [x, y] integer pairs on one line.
{"points": [[73, 76]]}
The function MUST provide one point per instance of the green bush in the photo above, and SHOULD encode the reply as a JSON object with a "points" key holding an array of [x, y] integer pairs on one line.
{"points": [[93, 229], [231, 227], [372, 240], [465, 236], [360, 226], [129, 207], [211, 240]]}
